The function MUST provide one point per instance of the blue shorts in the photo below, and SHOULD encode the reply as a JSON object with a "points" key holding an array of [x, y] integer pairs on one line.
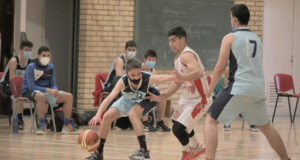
{"points": [[226, 107], [49, 98], [123, 105]]}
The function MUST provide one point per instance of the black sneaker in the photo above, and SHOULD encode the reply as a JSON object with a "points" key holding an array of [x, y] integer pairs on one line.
{"points": [[227, 128], [253, 128], [162, 127], [20, 124], [148, 127], [141, 155], [95, 156]]}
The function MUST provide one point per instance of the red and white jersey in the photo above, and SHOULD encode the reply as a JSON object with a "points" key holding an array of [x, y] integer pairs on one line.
{"points": [[201, 83]]}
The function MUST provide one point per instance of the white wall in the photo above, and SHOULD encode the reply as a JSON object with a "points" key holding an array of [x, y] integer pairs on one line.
{"points": [[281, 44], [35, 23]]}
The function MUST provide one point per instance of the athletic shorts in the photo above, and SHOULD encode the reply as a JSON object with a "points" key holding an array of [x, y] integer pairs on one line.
{"points": [[226, 107], [147, 104], [49, 98], [188, 112]]}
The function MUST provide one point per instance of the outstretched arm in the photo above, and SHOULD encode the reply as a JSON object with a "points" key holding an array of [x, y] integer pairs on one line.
{"points": [[222, 61]]}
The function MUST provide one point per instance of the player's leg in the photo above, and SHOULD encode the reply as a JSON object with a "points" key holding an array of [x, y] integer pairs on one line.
{"points": [[222, 110], [256, 114], [135, 115]]}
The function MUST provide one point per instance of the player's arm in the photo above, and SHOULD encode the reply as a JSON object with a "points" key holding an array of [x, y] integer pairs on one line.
{"points": [[12, 65], [170, 91], [118, 87], [191, 62], [119, 64], [222, 61], [161, 78]]}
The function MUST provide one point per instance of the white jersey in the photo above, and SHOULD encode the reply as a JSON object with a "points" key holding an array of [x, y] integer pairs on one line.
{"points": [[201, 83]]}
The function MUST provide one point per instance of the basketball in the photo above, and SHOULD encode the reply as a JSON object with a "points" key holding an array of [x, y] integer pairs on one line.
{"points": [[88, 140]]}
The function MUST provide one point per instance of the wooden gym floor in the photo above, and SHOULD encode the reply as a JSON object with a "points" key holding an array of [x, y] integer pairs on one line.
{"points": [[237, 144]]}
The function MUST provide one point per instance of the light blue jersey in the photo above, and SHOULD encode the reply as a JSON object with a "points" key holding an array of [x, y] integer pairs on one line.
{"points": [[245, 67]]}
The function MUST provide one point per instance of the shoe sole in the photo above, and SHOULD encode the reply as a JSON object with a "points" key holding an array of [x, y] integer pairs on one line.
{"points": [[132, 158]]}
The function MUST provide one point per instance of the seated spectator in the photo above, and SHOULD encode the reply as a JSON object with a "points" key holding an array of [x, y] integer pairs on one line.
{"points": [[150, 58], [39, 84], [16, 67], [118, 66]]}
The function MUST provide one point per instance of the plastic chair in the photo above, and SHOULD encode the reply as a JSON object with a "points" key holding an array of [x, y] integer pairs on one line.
{"points": [[16, 90], [99, 94], [284, 86], [6, 98]]}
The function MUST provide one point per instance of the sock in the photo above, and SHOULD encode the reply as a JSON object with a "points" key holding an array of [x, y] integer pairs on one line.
{"points": [[193, 139], [67, 121], [42, 123], [20, 116], [186, 148], [142, 142], [101, 146]]}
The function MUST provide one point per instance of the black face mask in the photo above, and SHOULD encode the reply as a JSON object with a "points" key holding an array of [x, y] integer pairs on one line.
{"points": [[134, 81]]}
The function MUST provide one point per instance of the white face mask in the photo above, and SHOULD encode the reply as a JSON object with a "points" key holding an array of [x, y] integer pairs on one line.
{"points": [[131, 54], [44, 61]]}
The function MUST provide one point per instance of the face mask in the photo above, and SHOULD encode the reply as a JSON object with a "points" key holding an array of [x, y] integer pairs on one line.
{"points": [[27, 55], [150, 64], [233, 29], [134, 81], [131, 54], [44, 61]]}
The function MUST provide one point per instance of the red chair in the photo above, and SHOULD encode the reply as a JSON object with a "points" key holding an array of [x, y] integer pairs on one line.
{"points": [[284, 86], [99, 94], [5, 97], [16, 90]]}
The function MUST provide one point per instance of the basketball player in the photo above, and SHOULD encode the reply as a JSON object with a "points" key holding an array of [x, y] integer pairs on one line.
{"points": [[245, 92], [134, 85], [190, 72]]}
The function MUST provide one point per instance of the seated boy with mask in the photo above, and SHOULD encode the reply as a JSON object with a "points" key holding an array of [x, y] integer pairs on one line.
{"points": [[39, 84]]}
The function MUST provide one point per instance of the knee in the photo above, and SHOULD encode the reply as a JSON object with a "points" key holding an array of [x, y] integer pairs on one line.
{"points": [[210, 120], [69, 96], [135, 112], [107, 118], [177, 128], [39, 97]]}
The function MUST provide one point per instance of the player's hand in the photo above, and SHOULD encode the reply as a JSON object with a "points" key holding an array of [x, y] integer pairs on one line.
{"points": [[53, 92], [153, 97], [96, 120], [178, 77], [190, 86]]}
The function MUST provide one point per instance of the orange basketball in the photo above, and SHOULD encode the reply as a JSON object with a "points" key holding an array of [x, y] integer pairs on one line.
{"points": [[88, 140]]}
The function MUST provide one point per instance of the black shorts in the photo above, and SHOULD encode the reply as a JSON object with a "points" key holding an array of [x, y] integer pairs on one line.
{"points": [[29, 94], [146, 103], [220, 102]]}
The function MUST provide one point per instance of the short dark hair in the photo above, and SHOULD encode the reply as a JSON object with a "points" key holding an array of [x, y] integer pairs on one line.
{"points": [[241, 12], [43, 49], [178, 32], [150, 53], [130, 43], [133, 63], [26, 44]]}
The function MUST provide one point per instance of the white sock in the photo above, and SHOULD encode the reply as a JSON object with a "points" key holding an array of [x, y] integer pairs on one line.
{"points": [[194, 141], [186, 148]]}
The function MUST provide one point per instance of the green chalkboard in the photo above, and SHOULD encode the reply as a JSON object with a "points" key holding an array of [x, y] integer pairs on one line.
{"points": [[206, 22]]}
